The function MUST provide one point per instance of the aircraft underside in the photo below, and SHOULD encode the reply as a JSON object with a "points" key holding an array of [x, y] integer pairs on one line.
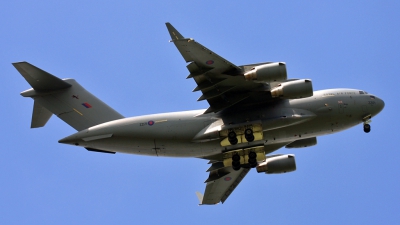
{"points": [[253, 111]]}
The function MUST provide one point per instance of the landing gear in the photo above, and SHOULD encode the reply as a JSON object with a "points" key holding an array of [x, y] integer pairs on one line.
{"points": [[248, 134], [367, 128], [367, 120], [236, 162], [232, 138], [252, 159]]}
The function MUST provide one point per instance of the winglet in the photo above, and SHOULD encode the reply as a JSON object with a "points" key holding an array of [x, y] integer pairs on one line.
{"points": [[175, 35], [200, 197]]}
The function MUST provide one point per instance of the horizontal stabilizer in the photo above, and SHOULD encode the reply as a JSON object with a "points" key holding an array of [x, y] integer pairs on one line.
{"points": [[66, 99], [40, 115], [39, 79]]}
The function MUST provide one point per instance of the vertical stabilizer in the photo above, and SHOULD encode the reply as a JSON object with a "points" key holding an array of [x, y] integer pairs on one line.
{"points": [[40, 115], [66, 99]]}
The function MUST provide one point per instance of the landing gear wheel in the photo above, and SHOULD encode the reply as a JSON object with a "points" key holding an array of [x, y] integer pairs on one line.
{"points": [[236, 168], [235, 164], [231, 134], [367, 128], [252, 155], [252, 161], [232, 138], [236, 157], [253, 165], [248, 134], [248, 131]]}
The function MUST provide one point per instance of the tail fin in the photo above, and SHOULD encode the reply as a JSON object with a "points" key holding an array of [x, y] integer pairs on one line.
{"points": [[65, 98]]}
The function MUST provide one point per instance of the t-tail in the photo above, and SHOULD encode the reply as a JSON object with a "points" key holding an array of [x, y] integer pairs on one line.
{"points": [[64, 98]]}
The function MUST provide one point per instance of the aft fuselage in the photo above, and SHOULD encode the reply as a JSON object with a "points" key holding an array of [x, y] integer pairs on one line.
{"points": [[173, 134]]}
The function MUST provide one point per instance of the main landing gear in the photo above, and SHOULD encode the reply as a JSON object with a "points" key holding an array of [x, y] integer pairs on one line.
{"points": [[252, 161], [236, 162], [232, 138], [248, 134]]}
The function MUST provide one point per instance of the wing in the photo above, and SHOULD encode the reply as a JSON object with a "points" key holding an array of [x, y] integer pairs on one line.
{"points": [[221, 82], [222, 180], [221, 183]]}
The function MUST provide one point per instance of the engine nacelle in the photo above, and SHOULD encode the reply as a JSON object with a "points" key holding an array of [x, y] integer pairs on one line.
{"points": [[303, 143], [277, 164], [293, 89], [267, 73]]}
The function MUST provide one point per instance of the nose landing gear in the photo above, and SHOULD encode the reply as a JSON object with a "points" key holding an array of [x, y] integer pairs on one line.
{"points": [[367, 120], [367, 128]]}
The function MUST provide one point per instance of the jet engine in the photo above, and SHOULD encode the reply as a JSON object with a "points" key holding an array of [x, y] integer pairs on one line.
{"points": [[267, 73], [293, 89], [277, 164]]}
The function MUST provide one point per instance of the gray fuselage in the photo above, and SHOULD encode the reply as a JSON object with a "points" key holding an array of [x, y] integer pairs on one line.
{"points": [[173, 134]]}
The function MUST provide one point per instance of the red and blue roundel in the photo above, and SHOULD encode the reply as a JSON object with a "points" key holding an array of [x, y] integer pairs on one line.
{"points": [[210, 62], [228, 178], [150, 123]]}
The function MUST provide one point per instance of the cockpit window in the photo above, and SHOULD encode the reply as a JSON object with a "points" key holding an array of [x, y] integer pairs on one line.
{"points": [[361, 92]]}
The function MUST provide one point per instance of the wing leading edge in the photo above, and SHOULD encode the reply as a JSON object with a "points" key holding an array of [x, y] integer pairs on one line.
{"points": [[221, 82]]}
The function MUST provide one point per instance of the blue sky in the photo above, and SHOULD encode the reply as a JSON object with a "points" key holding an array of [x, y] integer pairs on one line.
{"points": [[120, 52]]}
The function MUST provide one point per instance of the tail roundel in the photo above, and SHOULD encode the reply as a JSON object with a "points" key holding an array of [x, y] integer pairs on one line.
{"points": [[64, 98]]}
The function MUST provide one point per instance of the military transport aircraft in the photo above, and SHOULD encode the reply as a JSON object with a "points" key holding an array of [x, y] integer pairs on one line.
{"points": [[254, 110]]}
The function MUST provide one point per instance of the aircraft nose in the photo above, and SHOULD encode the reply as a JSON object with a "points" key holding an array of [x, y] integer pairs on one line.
{"points": [[380, 104]]}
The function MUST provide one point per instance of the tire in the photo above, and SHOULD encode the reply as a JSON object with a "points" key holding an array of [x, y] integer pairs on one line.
{"points": [[232, 135], [249, 138], [367, 128], [236, 157], [252, 161], [252, 155], [248, 131], [236, 168], [233, 141], [236, 163]]}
